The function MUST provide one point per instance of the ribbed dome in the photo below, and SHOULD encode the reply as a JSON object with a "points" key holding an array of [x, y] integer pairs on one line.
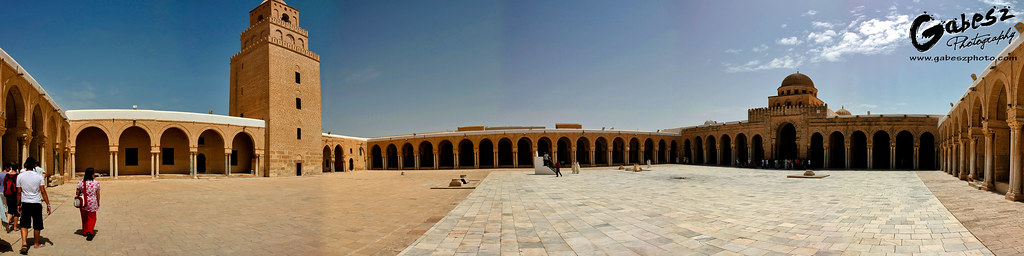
{"points": [[843, 112], [709, 121], [797, 79], [282, 1]]}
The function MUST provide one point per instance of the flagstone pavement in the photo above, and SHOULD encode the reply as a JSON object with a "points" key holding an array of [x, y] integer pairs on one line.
{"points": [[709, 211], [352, 213]]}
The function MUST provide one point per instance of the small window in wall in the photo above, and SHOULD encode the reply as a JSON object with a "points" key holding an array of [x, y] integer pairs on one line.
{"points": [[260, 18], [298, 78], [298, 103], [360, 151], [241, 114], [298, 169], [167, 156], [234, 157], [298, 133], [202, 140], [131, 157], [285, 18], [350, 151]]}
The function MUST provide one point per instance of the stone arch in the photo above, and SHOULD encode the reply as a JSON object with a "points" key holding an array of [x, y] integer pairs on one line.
{"points": [[133, 152], [757, 142], [243, 153], [524, 152], [14, 111], [391, 154], [376, 157], [926, 152], [426, 154], [662, 158], [601, 151], [816, 153], [687, 152], [544, 147], [466, 154], [837, 150], [38, 128], [786, 146], [408, 156], [564, 151], [174, 151], [858, 150], [211, 145], [339, 158], [92, 150], [726, 145], [742, 153], [505, 156], [698, 148], [618, 151], [649, 151], [583, 151], [880, 155], [712, 150], [904, 157], [486, 153], [328, 155], [673, 152]]}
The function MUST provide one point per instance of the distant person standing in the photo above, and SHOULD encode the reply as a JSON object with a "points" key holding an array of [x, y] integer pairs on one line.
{"points": [[558, 172], [31, 194], [10, 187], [3, 205], [90, 188]]}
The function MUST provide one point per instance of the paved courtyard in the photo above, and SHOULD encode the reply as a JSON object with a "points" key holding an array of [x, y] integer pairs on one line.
{"points": [[356, 213], [712, 211]]}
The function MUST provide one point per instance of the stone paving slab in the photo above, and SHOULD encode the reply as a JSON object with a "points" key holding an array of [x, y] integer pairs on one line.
{"points": [[713, 211], [355, 213], [997, 222]]}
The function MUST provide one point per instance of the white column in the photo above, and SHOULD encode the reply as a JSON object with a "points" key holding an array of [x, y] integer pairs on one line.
{"points": [[972, 150], [989, 161], [72, 174]]}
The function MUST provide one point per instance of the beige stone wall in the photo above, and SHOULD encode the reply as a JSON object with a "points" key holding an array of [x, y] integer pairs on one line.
{"points": [[343, 154], [92, 142], [264, 86], [34, 126], [408, 147]]}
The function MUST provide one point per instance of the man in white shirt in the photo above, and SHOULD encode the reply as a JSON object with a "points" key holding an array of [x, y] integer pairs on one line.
{"points": [[31, 194]]}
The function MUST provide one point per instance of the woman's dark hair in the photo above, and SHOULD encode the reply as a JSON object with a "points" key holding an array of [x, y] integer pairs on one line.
{"points": [[89, 173], [7, 167]]}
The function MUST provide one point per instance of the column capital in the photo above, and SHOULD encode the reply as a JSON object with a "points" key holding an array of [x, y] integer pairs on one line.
{"points": [[1015, 124]]}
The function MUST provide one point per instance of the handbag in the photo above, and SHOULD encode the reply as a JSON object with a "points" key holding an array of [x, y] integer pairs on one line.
{"points": [[80, 198]]}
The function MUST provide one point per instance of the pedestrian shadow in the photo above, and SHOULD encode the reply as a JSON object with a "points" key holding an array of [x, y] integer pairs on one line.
{"points": [[82, 232], [5, 247]]}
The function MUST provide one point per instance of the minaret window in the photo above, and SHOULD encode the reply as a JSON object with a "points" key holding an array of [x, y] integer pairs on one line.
{"points": [[285, 18], [260, 18], [298, 78], [298, 103]]}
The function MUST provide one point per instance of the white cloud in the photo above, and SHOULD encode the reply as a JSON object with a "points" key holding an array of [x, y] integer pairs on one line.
{"points": [[819, 24], [786, 62], [809, 13], [822, 37], [364, 75], [871, 106], [832, 42], [874, 36], [789, 41], [783, 25], [733, 51]]}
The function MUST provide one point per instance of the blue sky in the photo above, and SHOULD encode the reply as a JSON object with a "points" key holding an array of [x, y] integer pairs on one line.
{"points": [[393, 67]]}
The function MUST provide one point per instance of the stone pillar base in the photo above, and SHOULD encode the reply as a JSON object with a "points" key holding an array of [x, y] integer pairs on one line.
{"points": [[963, 175], [987, 187], [1014, 196]]}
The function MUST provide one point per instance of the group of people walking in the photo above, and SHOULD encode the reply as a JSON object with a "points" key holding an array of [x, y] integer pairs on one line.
{"points": [[24, 191]]}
